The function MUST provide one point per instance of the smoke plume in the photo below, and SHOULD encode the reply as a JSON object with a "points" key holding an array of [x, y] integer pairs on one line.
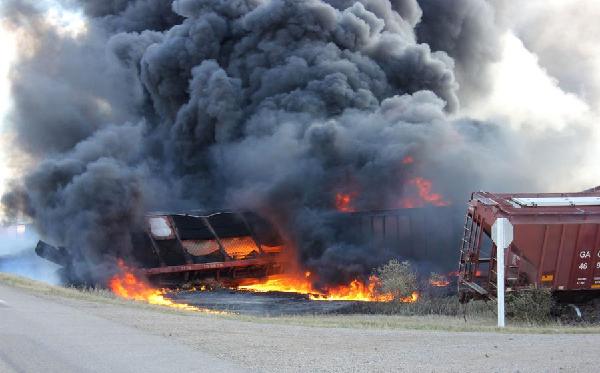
{"points": [[17, 257], [274, 106]]}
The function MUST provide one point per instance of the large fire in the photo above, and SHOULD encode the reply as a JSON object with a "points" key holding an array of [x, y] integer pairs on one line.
{"points": [[356, 290], [127, 285]]}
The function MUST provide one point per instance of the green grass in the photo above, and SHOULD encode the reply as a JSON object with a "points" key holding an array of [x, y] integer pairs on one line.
{"points": [[438, 305], [428, 322], [475, 317], [45, 289]]}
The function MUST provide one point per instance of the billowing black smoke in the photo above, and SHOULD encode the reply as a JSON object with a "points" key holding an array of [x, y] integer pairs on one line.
{"points": [[467, 31], [275, 106]]}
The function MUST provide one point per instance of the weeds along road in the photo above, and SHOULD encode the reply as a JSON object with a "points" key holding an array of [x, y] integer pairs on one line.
{"points": [[54, 333]]}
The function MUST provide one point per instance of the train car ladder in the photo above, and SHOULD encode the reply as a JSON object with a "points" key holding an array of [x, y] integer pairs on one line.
{"points": [[468, 266]]}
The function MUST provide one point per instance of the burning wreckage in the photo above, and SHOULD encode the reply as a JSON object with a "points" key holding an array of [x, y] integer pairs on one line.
{"points": [[244, 250], [177, 248], [360, 98], [556, 245]]}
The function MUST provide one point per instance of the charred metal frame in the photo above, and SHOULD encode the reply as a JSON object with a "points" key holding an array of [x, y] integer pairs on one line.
{"points": [[407, 232], [217, 238], [268, 262], [211, 266]]}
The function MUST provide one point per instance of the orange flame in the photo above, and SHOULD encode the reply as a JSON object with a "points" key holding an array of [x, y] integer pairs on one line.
{"points": [[127, 285], [411, 299], [425, 195], [408, 160], [354, 291], [343, 202], [439, 283], [442, 280]]}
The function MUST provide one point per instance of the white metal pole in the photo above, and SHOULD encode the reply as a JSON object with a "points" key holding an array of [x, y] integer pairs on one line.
{"points": [[502, 234], [500, 281]]}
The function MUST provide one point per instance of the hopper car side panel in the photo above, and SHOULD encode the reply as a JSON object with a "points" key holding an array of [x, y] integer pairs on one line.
{"points": [[560, 256], [556, 247]]}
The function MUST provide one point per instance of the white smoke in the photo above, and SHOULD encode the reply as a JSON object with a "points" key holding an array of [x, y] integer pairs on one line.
{"points": [[546, 88], [17, 255]]}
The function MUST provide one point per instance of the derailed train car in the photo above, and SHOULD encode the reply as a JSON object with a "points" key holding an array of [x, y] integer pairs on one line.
{"points": [[182, 247], [556, 244], [230, 246], [425, 236]]}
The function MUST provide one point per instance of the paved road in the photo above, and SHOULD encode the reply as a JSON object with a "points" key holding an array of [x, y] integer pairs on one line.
{"points": [[39, 335]]}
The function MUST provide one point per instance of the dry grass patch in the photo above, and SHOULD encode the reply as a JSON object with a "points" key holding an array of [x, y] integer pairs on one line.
{"points": [[93, 295], [422, 315]]}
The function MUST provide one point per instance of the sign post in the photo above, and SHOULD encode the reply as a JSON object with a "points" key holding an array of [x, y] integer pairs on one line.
{"points": [[502, 235]]}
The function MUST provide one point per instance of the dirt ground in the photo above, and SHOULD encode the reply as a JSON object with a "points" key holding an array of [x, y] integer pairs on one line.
{"points": [[275, 347], [353, 343]]}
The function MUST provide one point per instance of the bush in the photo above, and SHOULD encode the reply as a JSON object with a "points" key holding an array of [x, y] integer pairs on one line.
{"points": [[534, 305], [397, 278]]}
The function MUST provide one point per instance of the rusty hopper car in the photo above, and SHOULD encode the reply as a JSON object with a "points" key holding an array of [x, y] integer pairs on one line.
{"points": [[556, 244], [178, 248]]}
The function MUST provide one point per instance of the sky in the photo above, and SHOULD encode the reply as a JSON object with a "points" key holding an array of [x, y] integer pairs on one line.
{"points": [[70, 22], [535, 86], [7, 48], [548, 79]]}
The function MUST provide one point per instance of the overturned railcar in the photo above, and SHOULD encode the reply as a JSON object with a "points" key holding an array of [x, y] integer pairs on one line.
{"points": [[177, 248], [224, 244], [426, 236], [556, 244]]}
